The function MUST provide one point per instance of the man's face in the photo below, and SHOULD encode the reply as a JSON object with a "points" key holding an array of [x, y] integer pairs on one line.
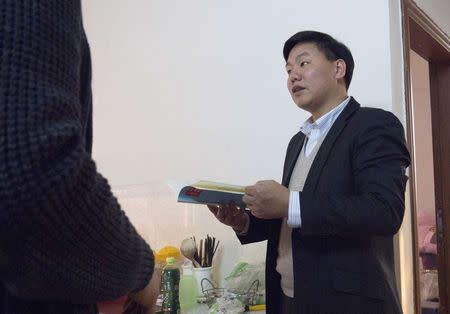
{"points": [[312, 78]]}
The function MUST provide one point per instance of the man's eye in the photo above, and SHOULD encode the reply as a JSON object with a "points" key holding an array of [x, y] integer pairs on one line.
{"points": [[303, 63], [288, 71]]}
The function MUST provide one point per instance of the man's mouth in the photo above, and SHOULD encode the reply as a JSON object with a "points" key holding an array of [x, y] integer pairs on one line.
{"points": [[296, 89]]}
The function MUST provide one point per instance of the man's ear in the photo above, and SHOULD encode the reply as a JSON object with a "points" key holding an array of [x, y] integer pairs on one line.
{"points": [[341, 68]]}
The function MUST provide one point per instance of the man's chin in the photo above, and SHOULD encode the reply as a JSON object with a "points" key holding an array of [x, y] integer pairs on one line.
{"points": [[303, 105]]}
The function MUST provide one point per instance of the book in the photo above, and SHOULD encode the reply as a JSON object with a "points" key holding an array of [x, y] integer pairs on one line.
{"points": [[212, 193]]}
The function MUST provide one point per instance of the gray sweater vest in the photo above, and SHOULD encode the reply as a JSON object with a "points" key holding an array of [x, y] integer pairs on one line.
{"points": [[296, 183]]}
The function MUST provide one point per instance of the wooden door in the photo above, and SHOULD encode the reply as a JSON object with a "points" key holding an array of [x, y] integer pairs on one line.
{"points": [[426, 39]]}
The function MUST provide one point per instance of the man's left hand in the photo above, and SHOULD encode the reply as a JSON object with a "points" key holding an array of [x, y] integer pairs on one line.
{"points": [[267, 199]]}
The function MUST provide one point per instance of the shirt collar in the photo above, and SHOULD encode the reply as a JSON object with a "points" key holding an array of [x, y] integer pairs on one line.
{"points": [[324, 121]]}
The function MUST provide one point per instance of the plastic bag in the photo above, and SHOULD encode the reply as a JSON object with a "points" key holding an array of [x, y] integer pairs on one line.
{"points": [[228, 305], [429, 288], [247, 280]]}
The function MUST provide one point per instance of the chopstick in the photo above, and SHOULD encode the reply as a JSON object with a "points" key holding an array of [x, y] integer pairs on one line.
{"points": [[201, 253], [205, 251]]}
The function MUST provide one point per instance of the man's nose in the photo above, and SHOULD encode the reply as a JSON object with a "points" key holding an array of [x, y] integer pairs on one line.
{"points": [[295, 76]]}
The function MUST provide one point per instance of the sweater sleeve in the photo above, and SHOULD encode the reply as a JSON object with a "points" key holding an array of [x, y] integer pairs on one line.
{"points": [[64, 236]]}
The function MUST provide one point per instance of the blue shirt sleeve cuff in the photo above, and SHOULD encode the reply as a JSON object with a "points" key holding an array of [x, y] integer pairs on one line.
{"points": [[294, 213]]}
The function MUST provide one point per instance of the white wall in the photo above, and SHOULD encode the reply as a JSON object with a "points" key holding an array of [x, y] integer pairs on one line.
{"points": [[182, 87], [438, 11], [196, 89]]}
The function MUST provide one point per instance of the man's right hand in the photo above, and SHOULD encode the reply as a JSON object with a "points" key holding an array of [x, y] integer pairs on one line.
{"points": [[230, 215], [147, 296]]}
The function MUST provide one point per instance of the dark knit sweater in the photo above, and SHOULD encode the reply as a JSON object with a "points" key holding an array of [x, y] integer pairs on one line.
{"points": [[65, 244]]}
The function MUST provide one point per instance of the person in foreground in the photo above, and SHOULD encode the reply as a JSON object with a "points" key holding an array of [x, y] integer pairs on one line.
{"points": [[65, 244], [330, 224]]}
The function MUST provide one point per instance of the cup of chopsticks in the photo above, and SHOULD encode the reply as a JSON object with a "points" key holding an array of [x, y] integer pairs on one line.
{"points": [[201, 254], [205, 251]]}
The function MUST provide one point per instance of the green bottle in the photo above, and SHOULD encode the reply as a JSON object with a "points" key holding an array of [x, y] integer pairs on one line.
{"points": [[170, 280]]}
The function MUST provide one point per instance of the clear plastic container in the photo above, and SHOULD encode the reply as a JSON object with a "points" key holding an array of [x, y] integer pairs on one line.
{"points": [[188, 288]]}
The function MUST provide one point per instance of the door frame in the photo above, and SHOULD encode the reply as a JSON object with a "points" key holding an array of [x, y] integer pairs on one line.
{"points": [[423, 36]]}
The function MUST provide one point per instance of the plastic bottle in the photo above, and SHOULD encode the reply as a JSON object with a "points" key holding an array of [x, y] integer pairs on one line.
{"points": [[170, 280], [160, 261], [188, 288]]}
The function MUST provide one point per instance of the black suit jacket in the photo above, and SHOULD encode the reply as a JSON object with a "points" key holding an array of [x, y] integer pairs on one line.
{"points": [[352, 204]]}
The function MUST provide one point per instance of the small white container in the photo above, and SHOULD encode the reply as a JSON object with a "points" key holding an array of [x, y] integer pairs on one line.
{"points": [[203, 275]]}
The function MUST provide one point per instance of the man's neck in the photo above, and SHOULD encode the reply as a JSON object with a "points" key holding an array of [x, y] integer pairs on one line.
{"points": [[330, 105]]}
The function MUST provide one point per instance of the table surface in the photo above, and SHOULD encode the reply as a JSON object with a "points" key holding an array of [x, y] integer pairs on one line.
{"points": [[203, 309], [116, 308]]}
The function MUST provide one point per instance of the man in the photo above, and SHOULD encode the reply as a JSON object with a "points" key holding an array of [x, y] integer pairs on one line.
{"points": [[65, 244], [330, 225]]}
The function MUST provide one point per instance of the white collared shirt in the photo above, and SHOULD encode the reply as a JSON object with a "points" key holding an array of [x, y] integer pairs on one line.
{"points": [[313, 131]]}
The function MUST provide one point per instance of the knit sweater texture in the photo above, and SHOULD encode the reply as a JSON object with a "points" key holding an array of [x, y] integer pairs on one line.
{"points": [[65, 244]]}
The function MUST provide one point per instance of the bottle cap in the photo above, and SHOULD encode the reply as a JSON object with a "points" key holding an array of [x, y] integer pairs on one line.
{"points": [[187, 268], [170, 261]]}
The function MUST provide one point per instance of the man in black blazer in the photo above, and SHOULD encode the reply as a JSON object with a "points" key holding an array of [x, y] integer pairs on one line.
{"points": [[330, 224]]}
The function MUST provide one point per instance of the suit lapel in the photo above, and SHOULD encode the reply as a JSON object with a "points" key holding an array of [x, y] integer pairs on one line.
{"points": [[327, 145]]}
